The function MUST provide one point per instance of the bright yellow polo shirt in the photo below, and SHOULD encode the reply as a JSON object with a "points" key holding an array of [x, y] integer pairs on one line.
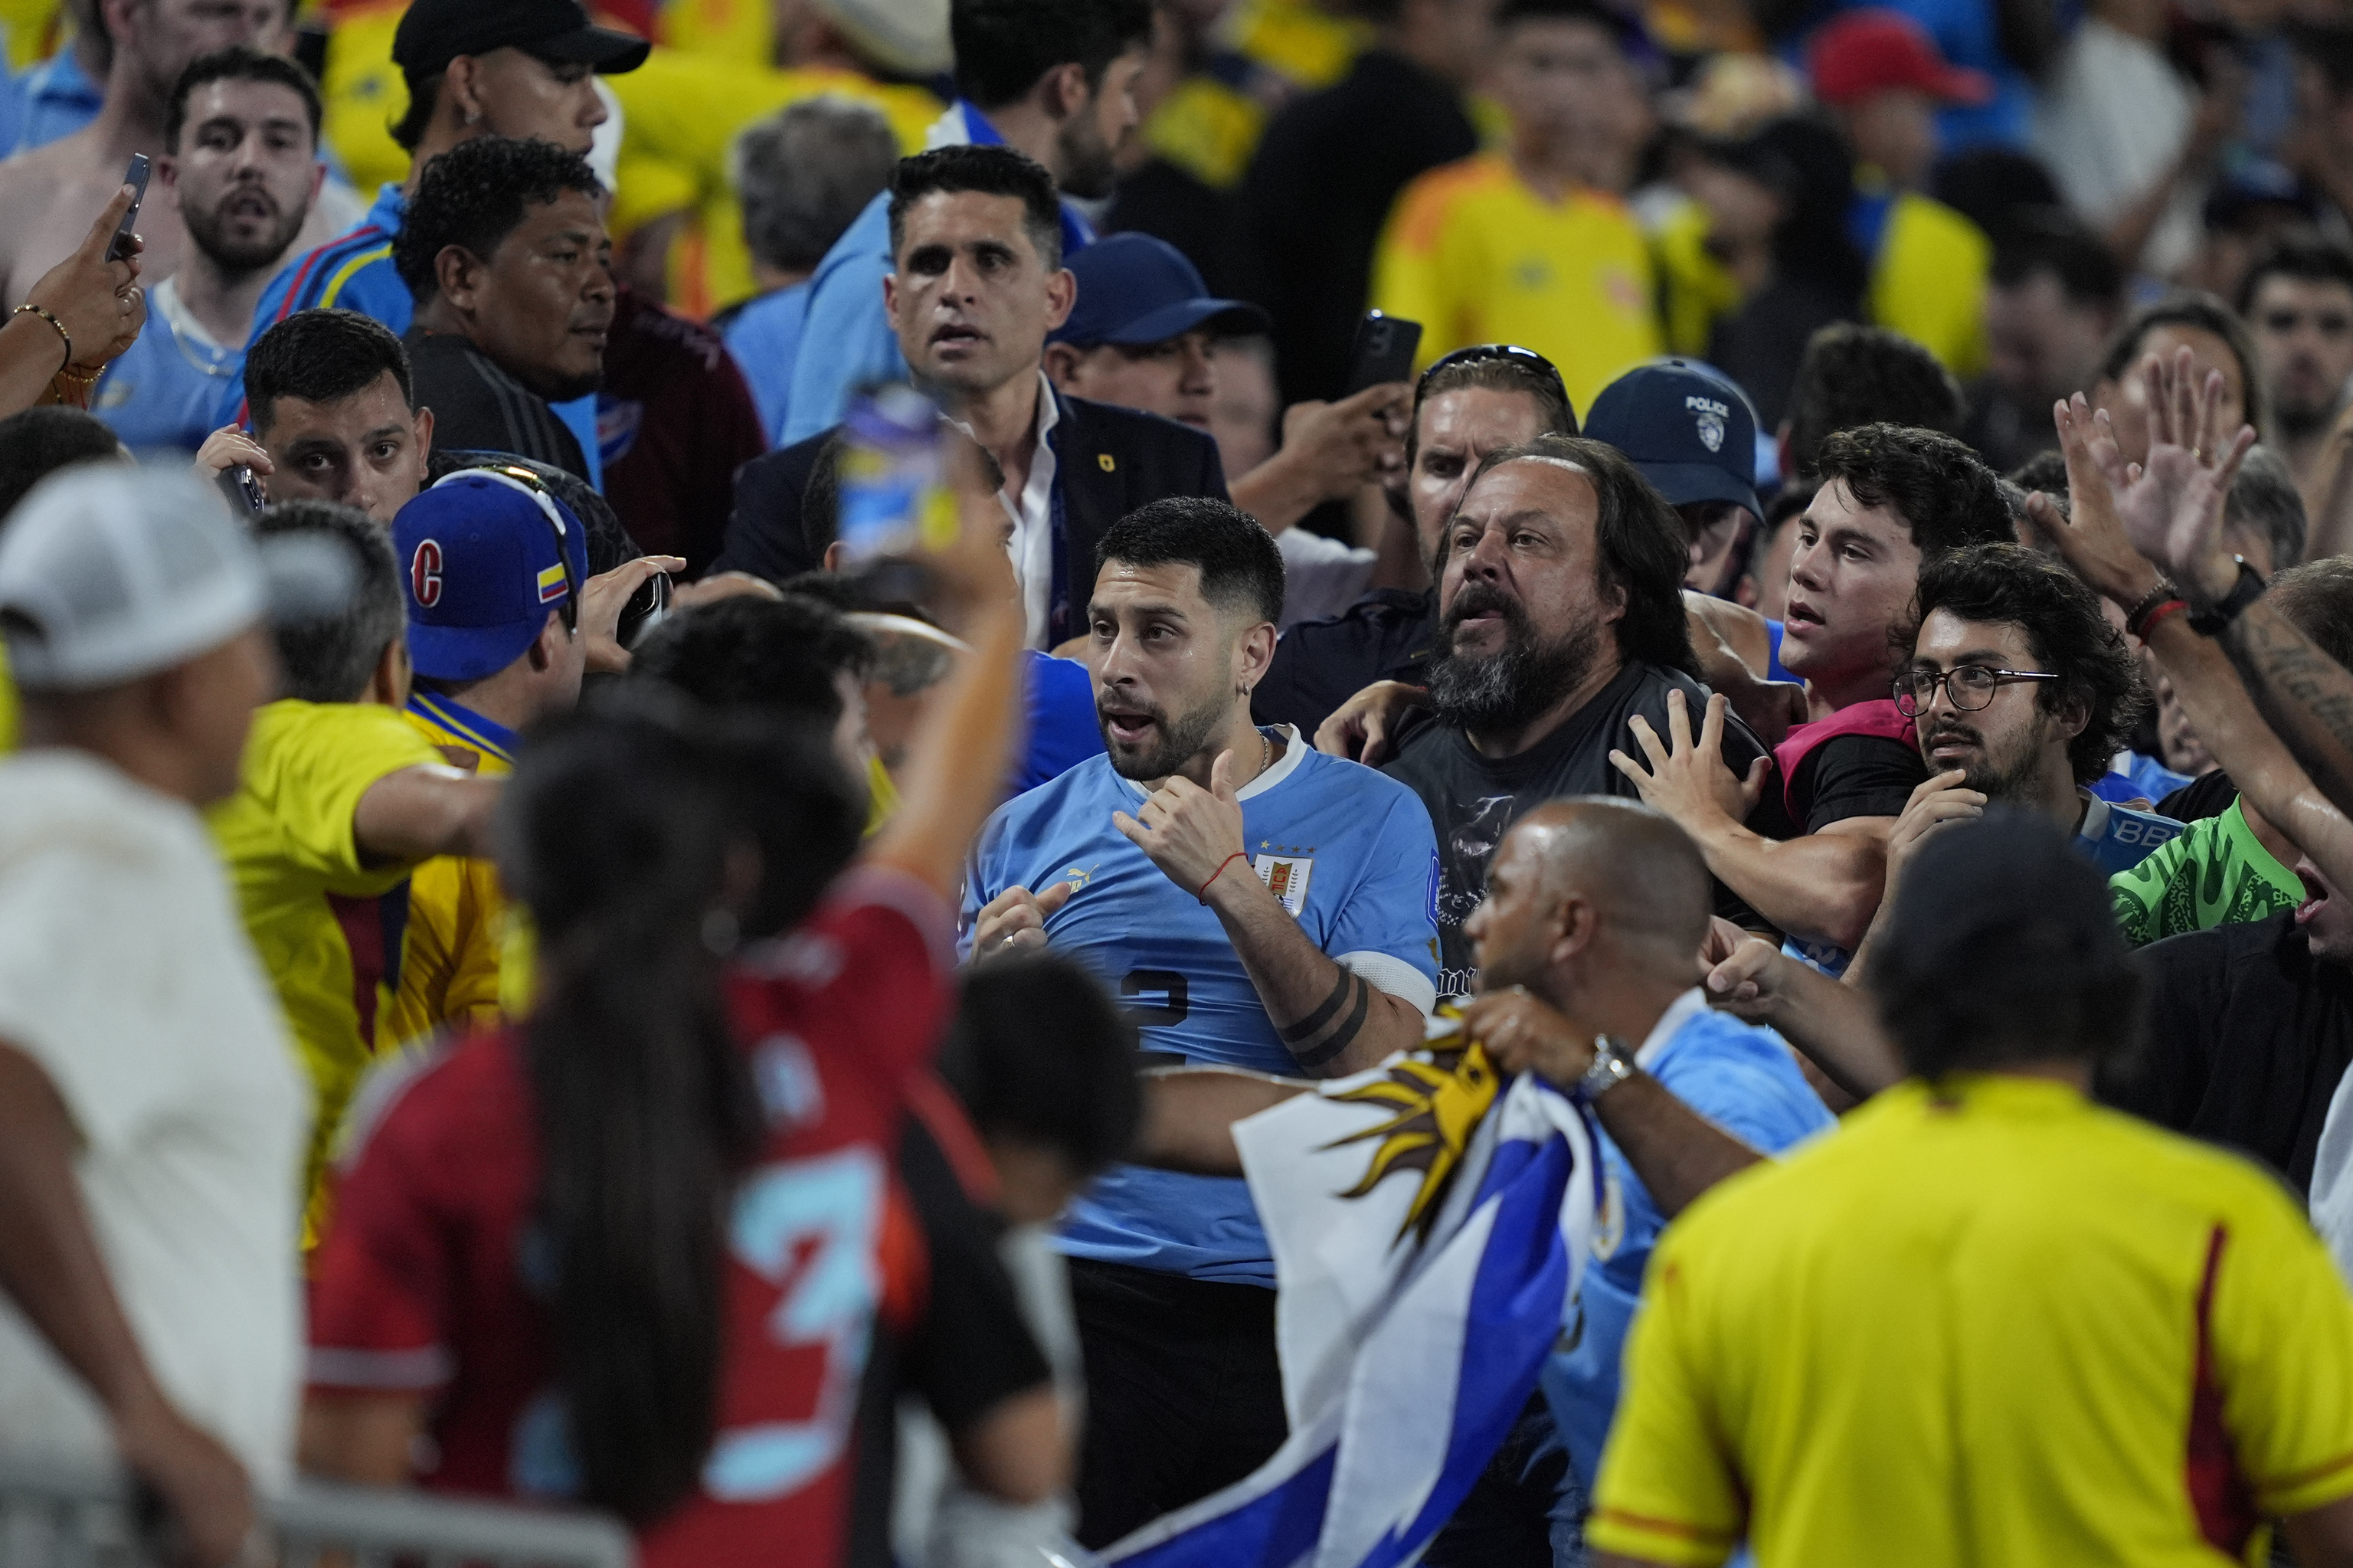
{"points": [[326, 922], [1475, 256], [1994, 1325], [456, 908]]}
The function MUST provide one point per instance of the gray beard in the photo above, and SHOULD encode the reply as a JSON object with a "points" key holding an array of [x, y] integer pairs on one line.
{"points": [[1508, 690]]}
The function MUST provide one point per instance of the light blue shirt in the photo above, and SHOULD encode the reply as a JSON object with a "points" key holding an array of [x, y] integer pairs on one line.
{"points": [[847, 342], [763, 336], [165, 391], [1352, 855], [1740, 1077], [54, 100]]}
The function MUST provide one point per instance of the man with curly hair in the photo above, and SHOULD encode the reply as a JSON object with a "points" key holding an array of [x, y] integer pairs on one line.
{"points": [[504, 251], [2019, 692]]}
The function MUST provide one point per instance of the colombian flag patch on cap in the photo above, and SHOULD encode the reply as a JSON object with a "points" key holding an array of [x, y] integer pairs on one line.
{"points": [[550, 584]]}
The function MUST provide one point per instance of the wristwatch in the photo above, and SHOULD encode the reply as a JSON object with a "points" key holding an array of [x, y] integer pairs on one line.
{"points": [[2250, 586], [1612, 1066]]}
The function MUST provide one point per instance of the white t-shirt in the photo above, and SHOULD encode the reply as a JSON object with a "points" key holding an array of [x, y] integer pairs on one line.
{"points": [[126, 974], [2112, 121]]}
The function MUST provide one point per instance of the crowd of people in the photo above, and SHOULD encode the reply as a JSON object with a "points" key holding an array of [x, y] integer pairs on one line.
{"points": [[593, 912]]}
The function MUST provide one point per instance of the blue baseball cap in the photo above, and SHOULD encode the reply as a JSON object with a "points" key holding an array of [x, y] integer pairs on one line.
{"points": [[1689, 428], [484, 556], [1135, 288]]}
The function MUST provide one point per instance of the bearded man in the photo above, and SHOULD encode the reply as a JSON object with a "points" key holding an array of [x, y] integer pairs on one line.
{"points": [[241, 167], [1561, 620], [1256, 905]]}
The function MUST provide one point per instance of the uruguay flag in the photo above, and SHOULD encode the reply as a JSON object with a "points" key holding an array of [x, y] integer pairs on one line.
{"points": [[1428, 1227]]}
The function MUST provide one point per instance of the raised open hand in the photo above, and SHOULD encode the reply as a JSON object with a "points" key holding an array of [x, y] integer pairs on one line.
{"points": [[2172, 508], [2089, 536]]}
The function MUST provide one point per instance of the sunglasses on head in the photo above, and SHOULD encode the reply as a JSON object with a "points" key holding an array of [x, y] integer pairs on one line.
{"points": [[530, 484], [1528, 359]]}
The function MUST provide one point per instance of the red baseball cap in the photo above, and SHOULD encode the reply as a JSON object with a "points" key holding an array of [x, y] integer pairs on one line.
{"points": [[1859, 53]]}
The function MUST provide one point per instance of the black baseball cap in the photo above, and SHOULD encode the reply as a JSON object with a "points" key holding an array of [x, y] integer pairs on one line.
{"points": [[1689, 428], [435, 32], [1973, 882]]}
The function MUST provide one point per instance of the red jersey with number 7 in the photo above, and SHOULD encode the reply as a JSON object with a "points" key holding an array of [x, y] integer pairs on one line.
{"points": [[433, 1280]]}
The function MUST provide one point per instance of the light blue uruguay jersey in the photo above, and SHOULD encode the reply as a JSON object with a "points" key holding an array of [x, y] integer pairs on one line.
{"points": [[1745, 1080], [1351, 855]]}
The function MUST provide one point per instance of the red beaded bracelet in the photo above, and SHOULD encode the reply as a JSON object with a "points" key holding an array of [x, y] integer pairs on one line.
{"points": [[2148, 622], [1204, 895]]}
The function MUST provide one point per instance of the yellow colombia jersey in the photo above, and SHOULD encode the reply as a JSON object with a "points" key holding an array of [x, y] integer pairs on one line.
{"points": [[457, 909], [326, 925], [1475, 256], [1988, 1323], [1928, 282], [681, 113]]}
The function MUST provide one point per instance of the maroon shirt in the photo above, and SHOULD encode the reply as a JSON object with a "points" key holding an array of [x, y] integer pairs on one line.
{"points": [[675, 420]]}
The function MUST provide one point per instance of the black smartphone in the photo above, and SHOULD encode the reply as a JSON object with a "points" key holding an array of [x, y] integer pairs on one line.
{"points": [[135, 177], [1385, 350], [243, 488]]}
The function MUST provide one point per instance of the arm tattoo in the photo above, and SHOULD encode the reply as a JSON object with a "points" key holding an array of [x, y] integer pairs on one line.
{"points": [[2306, 695], [1341, 1037]]}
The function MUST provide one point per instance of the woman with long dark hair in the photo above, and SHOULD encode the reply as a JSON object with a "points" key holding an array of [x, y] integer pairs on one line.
{"points": [[633, 1253]]}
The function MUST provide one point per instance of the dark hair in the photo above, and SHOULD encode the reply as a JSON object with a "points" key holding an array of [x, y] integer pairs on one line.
{"points": [[2012, 585], [2055, 240], [2265, 500], [2316, 598], [474, 196], [36, 442], [1623, 32], [1003, 46], [237, 63], [1498, 373], [990, 171], [319, 357], [618, 832], [330, 660], [2299, 254], [1240, 566], [1642, 548], [2045, 471], [1995, 188], [1941, 490], [2204, 312], [780, 654], [1864, 375], [1040, 1052], [805, 173], [2035, 987]]}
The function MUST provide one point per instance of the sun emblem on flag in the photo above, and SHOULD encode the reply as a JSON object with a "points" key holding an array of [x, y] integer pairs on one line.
{"points": [[1434, 1107]]}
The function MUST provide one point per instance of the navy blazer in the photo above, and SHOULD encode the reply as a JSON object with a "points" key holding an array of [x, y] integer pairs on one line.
{"points": [[1107, 462]]}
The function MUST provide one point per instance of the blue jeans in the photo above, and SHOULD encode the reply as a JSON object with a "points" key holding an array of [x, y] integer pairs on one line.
{"points": [[1526, 1511]]}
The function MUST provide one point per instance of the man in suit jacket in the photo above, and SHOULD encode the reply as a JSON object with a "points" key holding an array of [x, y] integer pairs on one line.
{"points": [[975, 241]]}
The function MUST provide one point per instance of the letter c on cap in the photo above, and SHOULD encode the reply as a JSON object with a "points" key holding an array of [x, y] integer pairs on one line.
{"points": [[425, 573]]}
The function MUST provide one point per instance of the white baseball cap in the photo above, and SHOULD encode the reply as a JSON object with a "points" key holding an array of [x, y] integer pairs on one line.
{"points": [[109, 572]]}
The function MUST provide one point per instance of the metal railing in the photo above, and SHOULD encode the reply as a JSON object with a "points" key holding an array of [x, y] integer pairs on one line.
{"points": [[55, 1515]]}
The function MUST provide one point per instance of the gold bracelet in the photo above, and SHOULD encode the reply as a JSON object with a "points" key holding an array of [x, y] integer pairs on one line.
{"points": [[53, 321]]}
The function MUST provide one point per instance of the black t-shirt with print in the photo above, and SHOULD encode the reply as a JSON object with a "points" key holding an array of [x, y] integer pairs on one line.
{"points": [[1473, 800]]}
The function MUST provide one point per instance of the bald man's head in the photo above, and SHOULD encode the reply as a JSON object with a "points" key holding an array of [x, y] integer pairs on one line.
{"points": [[1638, 877]]}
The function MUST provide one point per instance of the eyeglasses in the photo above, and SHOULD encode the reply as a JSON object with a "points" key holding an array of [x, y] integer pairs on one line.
{"points": [[1970, 686], [530, 484], [1528, 359]]}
